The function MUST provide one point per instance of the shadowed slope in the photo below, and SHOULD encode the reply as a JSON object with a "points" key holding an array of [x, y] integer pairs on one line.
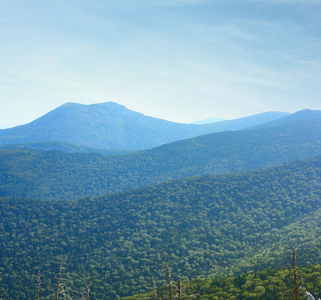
{"points": [[58, 175]]}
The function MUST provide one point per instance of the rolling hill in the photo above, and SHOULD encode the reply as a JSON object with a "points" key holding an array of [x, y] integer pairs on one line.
{"points": [[207, 225], [65, 147], [113, 126], [59, 175], [218, 204]]}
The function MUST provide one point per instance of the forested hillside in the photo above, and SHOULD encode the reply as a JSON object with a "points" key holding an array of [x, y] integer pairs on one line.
{"points": [[113, 126], [207, 226], [65, 147], [58, 175], [263, 285]]}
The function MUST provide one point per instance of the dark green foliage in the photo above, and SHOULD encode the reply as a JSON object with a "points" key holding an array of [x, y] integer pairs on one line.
{"points": [[58, 175], [208, 226], [110, 125], [263, 285]]}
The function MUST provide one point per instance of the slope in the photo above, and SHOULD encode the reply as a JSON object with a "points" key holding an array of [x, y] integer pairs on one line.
{"points": [[276, 284], [110, 125], [65, 147], [58, 175], [302, 115], [207, 225]]}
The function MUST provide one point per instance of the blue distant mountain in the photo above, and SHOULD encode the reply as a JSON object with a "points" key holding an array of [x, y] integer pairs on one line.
{"points": [[113, 126], [61, 175], [209, 121], [302, 115]]}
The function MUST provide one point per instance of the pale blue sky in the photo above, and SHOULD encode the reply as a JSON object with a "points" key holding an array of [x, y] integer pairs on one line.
{"points": [[180, 60]]}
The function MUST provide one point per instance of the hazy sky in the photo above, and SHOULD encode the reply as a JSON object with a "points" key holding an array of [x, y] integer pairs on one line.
{"points": [[179, 60]]}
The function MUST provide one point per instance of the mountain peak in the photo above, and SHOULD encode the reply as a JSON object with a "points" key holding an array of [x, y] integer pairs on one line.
{"points": [[113, 126], [102, 104]]}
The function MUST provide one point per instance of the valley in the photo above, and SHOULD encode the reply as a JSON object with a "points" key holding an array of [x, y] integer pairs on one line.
{"points": [[219, 204]]}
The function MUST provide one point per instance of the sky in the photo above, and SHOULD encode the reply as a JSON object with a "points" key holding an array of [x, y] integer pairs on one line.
{"points": [[178, 60]]}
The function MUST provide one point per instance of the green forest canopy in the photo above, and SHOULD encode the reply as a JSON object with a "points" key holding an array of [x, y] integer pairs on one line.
{"points": [[57, 175], [208, 226]]}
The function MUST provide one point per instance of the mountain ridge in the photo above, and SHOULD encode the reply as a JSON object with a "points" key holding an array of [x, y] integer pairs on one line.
{"points": [[111, 125], [58, 175], [302, 115]]}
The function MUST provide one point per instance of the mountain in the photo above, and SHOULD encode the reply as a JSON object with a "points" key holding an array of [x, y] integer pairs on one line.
{"points": [[110, 125], [210, 120], [65, 147], [207, 226], [58, 175], [302, 115]]}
